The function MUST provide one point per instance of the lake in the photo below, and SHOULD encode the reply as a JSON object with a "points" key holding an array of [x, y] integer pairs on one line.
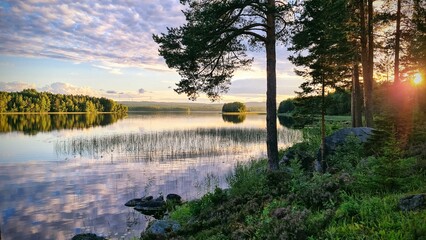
{"points": [[61, 175]]}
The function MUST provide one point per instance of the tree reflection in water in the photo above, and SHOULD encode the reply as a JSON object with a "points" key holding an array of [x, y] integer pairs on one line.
{"points": [[32, 124], [234, 118]]}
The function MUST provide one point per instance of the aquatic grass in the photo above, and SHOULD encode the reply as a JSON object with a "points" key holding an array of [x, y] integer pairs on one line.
{"points": [[174, 144]]}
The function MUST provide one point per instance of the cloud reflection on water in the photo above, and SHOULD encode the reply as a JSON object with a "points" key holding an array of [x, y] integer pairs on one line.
{"points": [[57, 199]]}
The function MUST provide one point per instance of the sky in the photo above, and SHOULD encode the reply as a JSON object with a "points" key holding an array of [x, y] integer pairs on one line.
{"points": [[105, 48]]}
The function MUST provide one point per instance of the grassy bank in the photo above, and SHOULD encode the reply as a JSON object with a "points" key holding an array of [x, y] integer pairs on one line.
{"points": [[356, 199]]}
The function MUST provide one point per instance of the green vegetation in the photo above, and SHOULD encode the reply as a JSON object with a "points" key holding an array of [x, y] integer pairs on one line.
{"points": [[234, 107], [336, 103], [29, 100], [357, 199]]}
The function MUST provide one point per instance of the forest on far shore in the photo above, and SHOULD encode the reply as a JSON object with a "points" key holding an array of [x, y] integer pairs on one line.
{"points": [[29, 100]]}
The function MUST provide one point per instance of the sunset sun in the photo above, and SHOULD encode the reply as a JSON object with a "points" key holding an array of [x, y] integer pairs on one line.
{"points": [[417, 78]]}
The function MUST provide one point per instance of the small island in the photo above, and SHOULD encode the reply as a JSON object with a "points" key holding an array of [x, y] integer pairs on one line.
{"points": [[234, 107]]}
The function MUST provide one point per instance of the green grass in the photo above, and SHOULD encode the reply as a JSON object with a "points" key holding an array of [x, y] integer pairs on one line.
{"points": [[375, 217]]}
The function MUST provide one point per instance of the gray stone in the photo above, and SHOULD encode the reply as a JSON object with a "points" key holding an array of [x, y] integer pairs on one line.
{"points": [[338, 138], [412, 202], [163, 227]]}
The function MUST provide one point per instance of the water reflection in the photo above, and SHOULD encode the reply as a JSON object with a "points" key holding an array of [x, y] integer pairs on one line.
{"points": [[56, 201], [32, 124], [60, 183], [234, 118]]}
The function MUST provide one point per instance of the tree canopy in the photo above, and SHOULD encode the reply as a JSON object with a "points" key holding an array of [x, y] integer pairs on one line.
{"points": [[29, 100], [238, 107], [212, 44]]}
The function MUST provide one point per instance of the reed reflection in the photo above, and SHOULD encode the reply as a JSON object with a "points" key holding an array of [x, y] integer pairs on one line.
{"points": [[31, 124], [174, 144], [234, 118]]}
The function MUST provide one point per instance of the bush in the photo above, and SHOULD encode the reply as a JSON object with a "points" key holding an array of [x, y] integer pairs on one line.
{"points": [[248, 179], [286, 106], [279, 220]]}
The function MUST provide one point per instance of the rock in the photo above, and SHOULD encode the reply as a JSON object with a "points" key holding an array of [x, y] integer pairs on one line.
{"points": [[147, 198], [413, 202], [87, 236], [150, 205], [155, 208], [163, 227], [136, 201], [159, 199], [173, 197], [338, 138], [133, 202]]}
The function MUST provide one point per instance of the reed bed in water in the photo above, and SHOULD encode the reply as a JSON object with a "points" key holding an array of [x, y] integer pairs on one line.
{"points": [[175, 144]]}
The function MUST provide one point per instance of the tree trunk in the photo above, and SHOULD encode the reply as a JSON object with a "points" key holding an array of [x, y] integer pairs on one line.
{"points": [[367, 63], [322, 162], [368, 82], [396, 79], [271, 91], [356, 106]]}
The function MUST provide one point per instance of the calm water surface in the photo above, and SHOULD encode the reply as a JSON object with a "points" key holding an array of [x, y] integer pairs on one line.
{"points": [[67, 174]]}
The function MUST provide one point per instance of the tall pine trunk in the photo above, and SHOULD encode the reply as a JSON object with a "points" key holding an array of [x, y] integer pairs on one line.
{"points": [[356, 106], [367, 58], [397, 42], [322, 162], [271, 90], [368, 92]]}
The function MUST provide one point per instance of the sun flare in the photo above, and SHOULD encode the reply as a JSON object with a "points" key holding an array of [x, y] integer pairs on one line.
{"points": [[417, 78]]}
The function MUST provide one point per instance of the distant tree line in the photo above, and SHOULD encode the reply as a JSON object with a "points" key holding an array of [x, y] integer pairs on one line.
{"points": [[234, 107], [29, 100], [336, 103]]}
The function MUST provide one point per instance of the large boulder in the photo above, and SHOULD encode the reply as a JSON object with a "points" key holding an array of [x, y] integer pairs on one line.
{"points": [[338, 138], [162, 228], [412, 202]]}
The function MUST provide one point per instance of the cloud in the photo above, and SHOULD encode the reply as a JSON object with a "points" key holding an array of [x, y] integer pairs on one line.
{"points": [[66, 88], [111, 92], [141, 91], [15, 86], [106, 32], [286, 85]]}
